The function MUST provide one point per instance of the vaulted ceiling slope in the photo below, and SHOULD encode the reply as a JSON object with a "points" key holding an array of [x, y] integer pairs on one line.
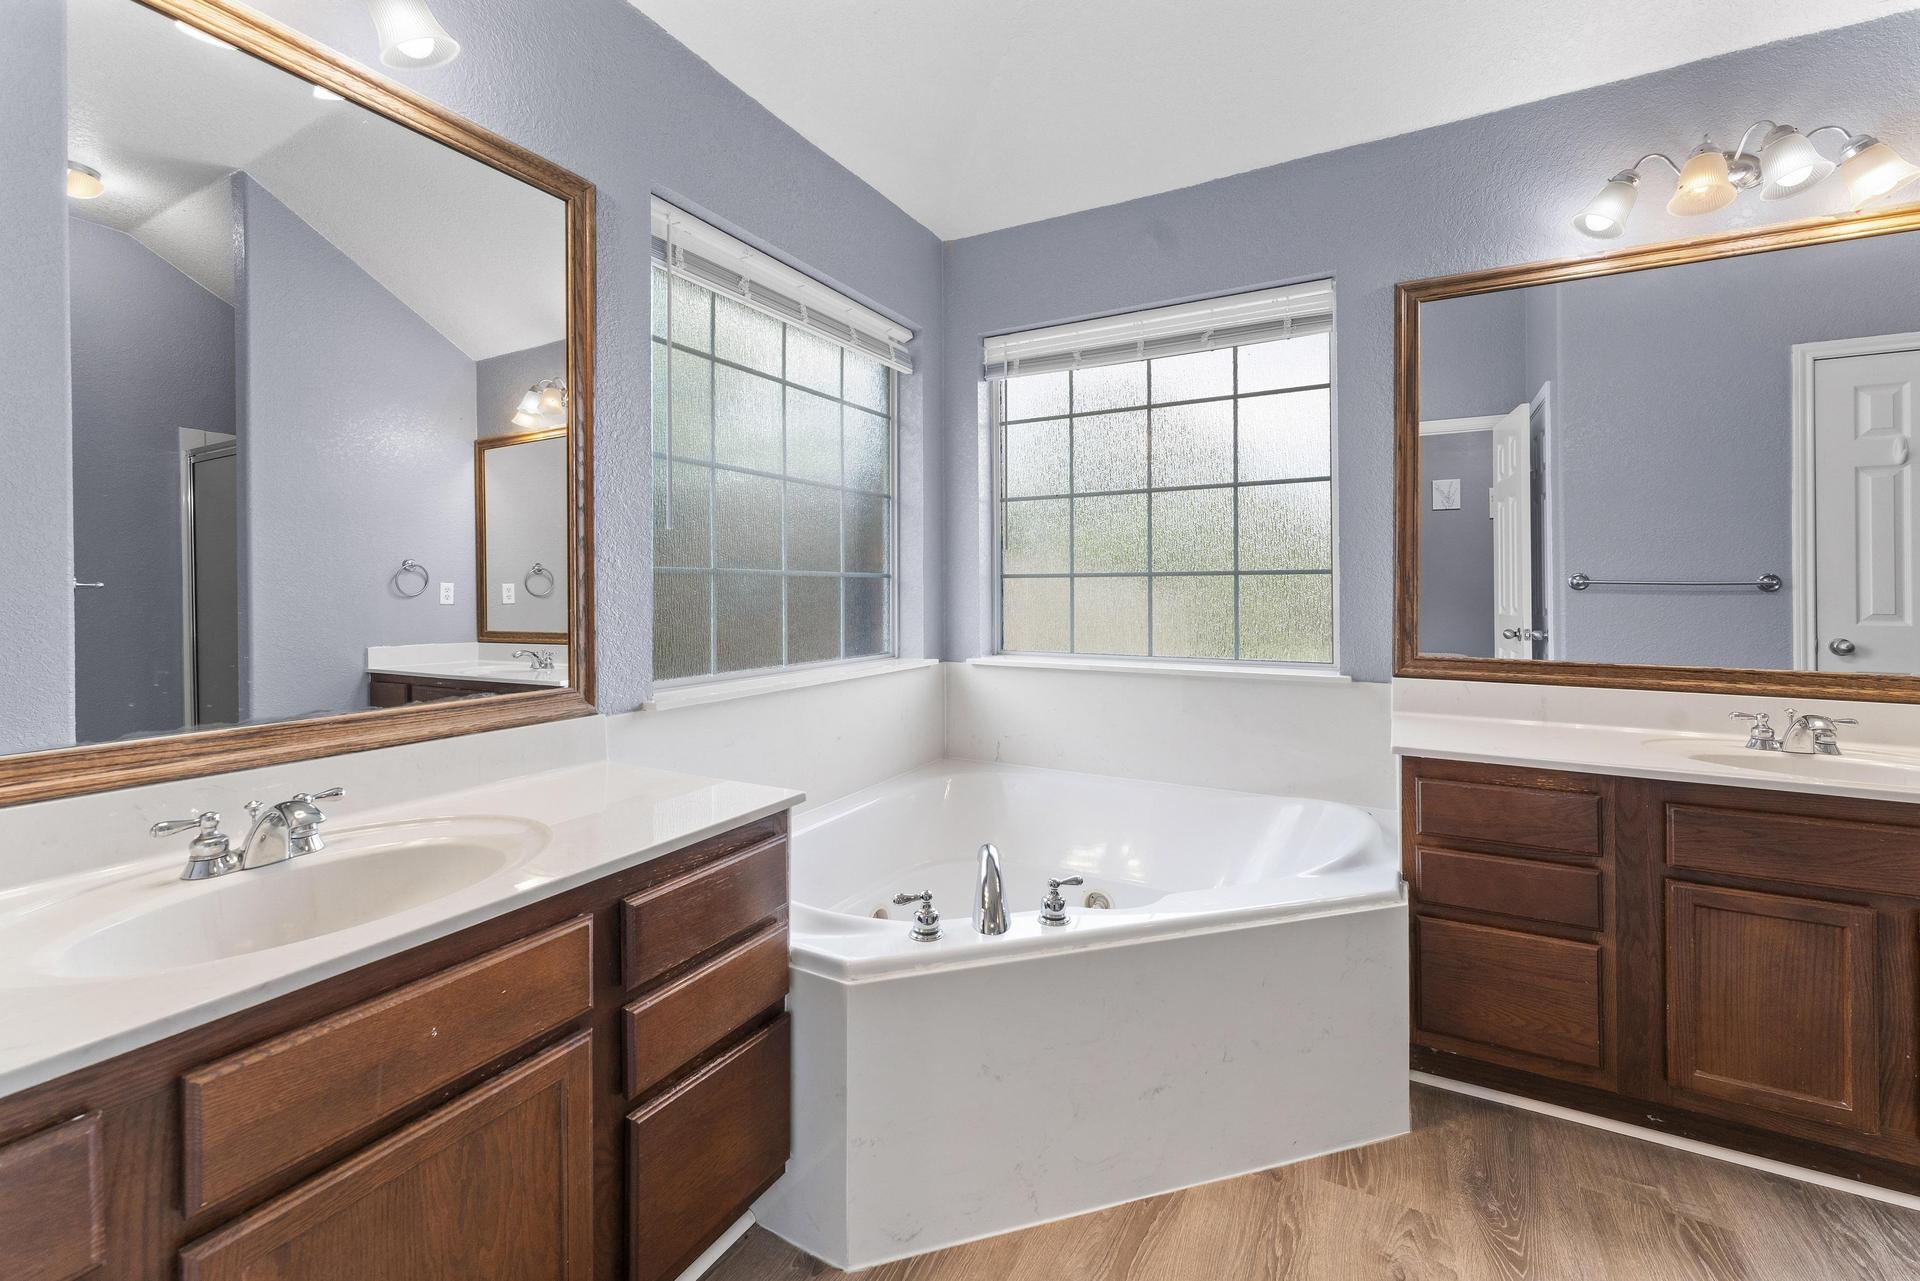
{"points": [[974, 115]]}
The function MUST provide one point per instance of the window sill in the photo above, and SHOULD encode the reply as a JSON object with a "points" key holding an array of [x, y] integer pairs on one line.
{"points": [[1165, 667], [721, 691]]}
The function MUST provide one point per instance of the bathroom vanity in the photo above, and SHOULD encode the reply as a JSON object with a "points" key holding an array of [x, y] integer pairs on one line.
{"points": [[1732, 964], [594, 1085]]}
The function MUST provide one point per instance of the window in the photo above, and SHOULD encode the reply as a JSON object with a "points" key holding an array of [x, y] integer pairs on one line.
{"points": [[1171, 505], [773, 461]]}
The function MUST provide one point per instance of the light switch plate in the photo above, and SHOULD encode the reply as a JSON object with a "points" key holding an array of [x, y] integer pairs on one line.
{"points": [[1446, 495], [506, 593], [446, 593]]}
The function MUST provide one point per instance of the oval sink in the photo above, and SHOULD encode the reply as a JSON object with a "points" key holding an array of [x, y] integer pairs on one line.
{"points": [[1868, 769], [362, 876]]}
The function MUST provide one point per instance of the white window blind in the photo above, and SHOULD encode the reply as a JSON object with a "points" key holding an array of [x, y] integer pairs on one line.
{"points": [[1266, 315], [709, 257]]}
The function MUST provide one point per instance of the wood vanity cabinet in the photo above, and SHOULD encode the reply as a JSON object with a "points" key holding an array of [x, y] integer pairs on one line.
{"points": [[591, 1088], [387, 690], [1733, 965]]}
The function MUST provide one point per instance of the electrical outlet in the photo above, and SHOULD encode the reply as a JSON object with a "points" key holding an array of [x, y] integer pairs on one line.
{"points": [[506, 593], [446, 593]]}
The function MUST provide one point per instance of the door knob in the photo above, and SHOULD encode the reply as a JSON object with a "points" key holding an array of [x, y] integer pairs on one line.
{"points": [[1523, 633], [1840, 645]]}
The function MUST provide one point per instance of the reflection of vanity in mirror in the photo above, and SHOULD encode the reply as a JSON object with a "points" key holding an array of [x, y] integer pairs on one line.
{"points": [[293, 321], [1702, 465]]}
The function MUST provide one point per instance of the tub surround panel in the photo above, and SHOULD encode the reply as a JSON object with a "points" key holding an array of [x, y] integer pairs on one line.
{"points": [[1291, 738], [598, 820], [1218, 1054]]}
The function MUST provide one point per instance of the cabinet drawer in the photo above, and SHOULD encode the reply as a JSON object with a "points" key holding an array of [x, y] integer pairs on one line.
{"points": [[702, 1152], [1523, 993], [1539, 817], [52, 1206], [268, 1108], [670, 1026], [692, 914], [1836, 853], [1527, 889]]}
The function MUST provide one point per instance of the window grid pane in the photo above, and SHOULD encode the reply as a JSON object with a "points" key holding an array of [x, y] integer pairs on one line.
{"points": [[1216, 543], [780, 458]]}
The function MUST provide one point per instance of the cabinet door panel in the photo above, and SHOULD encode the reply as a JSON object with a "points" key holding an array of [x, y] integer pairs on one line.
{"points": [[52, 1222], [1525, 993], [1770, 1003], [497, 1184]]}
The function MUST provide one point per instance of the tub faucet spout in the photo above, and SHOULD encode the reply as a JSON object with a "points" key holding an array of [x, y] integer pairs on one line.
{"points": [[989, 895]]}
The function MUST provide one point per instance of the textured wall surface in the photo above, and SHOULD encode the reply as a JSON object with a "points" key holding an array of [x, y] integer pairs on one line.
{"points": [[36, 510], [357, 423], [152, 354], [1498, 189], [597, 87]]}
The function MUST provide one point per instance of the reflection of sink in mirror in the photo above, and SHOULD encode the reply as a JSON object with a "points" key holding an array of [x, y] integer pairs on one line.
{"points": [[363, 875], [1613, 507], [1856, 765]]}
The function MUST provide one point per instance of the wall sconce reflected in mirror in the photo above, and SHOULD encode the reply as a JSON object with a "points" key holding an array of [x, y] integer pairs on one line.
{"points": [[1786, 164], [410, 37], [544, 405], [84, 181]]}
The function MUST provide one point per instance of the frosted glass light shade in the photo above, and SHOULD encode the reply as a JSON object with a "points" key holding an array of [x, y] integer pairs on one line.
{"points": [[1872, 169], [1606, 214], [410, 37], [1789, 165], [83, 182], [1704, 185], [544, 405]]}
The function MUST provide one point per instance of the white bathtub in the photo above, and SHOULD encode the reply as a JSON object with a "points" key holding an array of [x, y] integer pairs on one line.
{"points": [[1241, 1003]]}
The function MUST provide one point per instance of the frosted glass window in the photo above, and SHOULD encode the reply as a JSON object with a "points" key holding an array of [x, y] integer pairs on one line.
{"points": [[773, 518], [1179, 507]]}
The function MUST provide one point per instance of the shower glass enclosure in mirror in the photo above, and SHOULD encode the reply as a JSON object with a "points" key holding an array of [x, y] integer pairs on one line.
{"points": [[291, 320], [1705, 465]]}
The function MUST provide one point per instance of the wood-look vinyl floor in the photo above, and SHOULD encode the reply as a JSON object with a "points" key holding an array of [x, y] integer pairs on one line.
{"points": [[1476, 1191]]}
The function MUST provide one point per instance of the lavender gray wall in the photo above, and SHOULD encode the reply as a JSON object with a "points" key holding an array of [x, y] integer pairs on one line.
{"points": [[357, 429], [36, 513], [618, 101], [1498, 189], [1456, 547], [1473, 356], [152, 353]]}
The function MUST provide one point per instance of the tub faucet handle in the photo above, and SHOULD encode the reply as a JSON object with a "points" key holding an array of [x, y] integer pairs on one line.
{"points": [[1053, 909], [926, 921]]}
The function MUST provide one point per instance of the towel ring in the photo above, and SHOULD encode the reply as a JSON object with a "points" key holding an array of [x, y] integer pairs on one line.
{"points": [[539, 571], [411, 566]]}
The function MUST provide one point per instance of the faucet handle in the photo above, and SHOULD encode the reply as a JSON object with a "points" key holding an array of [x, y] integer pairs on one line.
{"points": [[207, 823], [209, 854], [1053, 909], [926, 921], [1761, 737], [332, 793]]}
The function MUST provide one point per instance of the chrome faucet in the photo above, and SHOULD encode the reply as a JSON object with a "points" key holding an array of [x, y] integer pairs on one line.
{"points": [[1761, 737], [211, 853], [539, 662], [295, 823], [1053, 908], [926, 921], [989, 894], [1813, 734]]}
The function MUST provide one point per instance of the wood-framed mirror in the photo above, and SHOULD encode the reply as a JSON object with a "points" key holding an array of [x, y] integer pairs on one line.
{"points": [[520, 536], [1678, 466], [296, 294]]}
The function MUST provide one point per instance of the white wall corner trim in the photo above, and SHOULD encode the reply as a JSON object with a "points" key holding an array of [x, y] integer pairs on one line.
{"points": [[1455, 426]]}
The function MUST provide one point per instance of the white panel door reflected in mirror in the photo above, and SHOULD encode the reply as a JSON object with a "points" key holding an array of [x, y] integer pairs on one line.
{"points": [[1702, 465]]}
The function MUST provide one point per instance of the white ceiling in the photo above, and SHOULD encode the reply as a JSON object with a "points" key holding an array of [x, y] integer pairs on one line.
{"points": [[978, 114], [166, 119]]}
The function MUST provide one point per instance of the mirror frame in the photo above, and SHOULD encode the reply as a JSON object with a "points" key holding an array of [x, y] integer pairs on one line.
{"points": [[73, 771], [1408, 295], [481, 596]]}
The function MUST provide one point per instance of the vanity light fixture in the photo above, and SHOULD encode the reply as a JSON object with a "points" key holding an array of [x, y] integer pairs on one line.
{"points": [[204, 37], [1785, 164], [544, 405], [83, 181], [410, 37]]}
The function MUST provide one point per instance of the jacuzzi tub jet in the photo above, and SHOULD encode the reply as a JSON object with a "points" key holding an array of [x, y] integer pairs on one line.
{"points": [[1096, 899]]}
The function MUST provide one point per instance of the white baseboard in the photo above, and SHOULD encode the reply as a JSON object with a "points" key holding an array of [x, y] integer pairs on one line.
{"points": [[1718, 1153], [711, 1255]]}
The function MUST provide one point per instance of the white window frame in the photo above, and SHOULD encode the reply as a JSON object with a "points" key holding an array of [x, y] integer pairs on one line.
{"points": [[1145, 323]]}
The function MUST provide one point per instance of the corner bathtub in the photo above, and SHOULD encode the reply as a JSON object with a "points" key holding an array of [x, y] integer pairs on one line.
{"points": [[1241, 1003]]}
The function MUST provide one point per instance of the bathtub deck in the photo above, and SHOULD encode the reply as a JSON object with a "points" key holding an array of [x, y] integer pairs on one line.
{"points": [[1478, 1190]]}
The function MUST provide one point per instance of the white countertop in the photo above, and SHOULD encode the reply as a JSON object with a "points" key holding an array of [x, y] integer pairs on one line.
{"points": [[1645, 734], [596, 819], [517, 673]]}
